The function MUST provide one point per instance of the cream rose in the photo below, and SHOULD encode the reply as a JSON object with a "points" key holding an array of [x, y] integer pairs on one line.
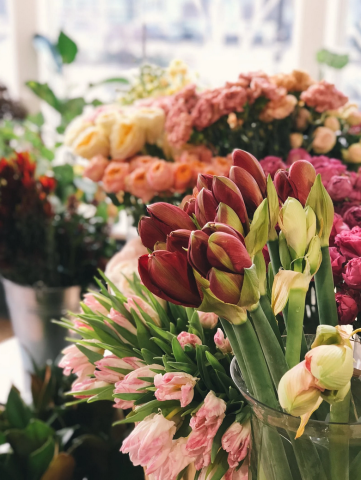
{"points": [[127, 138], [91, 142], [352, 154], [152, 120], [324, 140], [332, 123], [296, 140], [106, 119], [75, 128]]}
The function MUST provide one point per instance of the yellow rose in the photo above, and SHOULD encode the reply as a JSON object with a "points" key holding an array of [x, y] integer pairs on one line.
{"points": [[296, 140], [152, 121], [91, 142], [75, 128], [332, 123], [324, 140], [106, 119], [353, 117], [352, 154], [127, 138]]}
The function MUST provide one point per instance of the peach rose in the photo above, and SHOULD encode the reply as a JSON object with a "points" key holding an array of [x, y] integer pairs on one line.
{"points": [[96, 168], [332, 123], [160, 176], [296, 140], [183, 175], [353, 117], [324, 140], [75, 128], [222, 165], [91, 141], [137, 184], [114, 177], [127, 138], [303, 118], [278, 109], [141, 161], [352, 154]]}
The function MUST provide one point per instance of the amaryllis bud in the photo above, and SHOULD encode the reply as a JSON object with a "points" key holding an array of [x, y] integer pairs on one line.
{"points": [[197, 252], [283, 185], [311, 222], [227, 215], [227, 192], [250, 163], [177, 241], [170, 216], [206, 207], [258, 232], [320, 202], [285, 256], [212, 227], [227, 252], [330, 365], [314, 256], [292, 220], [225, 286], [248, 186], [168, 275], [329, 335], [204, 180], [190, 207], [149, 232], [302, 176]]}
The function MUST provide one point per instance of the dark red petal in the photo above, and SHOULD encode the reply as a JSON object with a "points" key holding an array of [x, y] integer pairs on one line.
{"points": [[243, 159], [248, 187], [170, 216]]}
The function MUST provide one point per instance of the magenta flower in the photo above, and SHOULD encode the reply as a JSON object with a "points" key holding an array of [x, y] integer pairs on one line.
{"points": [[349, 242], [352, 275]]}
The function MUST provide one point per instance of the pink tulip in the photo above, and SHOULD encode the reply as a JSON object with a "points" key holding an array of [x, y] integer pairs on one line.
{"points": [[205, 424], [91, 302], [160, 176], [114, 177], [208, 320], [136, 303], [122, 321], [87, 384], [175, 386], [177, 459], [185, 338], [150, 443], [236, 441], [221, 342], [104, 365], [96, 168], [133, 384], [74, 361]]}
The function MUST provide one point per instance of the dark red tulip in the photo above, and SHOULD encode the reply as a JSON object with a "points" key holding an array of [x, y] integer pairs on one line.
{"points": [[213, 227], [178, 240], [204, 180], [225, 286], [226, 191], [302, 174], [248, 186], [169, 216], [228, 216], [150, 233], [243, 159], [190, 207], [168, 275], [206, 207], [284, 186], [227, 253], [197, 252]]}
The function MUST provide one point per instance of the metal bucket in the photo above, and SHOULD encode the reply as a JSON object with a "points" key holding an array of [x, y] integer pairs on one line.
{"points": [[31, 310]]}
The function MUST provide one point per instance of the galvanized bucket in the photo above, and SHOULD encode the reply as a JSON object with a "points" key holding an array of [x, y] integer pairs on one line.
{"points": [[31, 310]]}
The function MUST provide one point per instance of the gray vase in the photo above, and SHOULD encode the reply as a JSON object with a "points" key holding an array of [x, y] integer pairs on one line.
{"points": [[31, 310]]}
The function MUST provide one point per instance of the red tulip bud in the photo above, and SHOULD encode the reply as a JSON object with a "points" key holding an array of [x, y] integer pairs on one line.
{"points": [[227, 253], [302, 174], [160, 246], [204, 180], [227, 215], [225, 286], [227, 192], [197, 252], [248, 186], [284, 186], [168, 275], [170, 217], [190, 207], [250, 163], [212, 227], [206, 207], [149, 232], [178, 240]]}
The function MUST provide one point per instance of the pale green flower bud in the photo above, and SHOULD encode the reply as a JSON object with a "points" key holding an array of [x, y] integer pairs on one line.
{"points": [[313, 257], [285, 256], [273, 208], [320, 202], [292, 220], [258, 233], [310, 223], [328, 335]]}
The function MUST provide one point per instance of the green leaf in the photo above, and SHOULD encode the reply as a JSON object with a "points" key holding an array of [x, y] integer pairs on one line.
{"points": [[183, 367], [26, 440], [129, 396], [217, 442], [17, 413], [179, 354], [150, 358], [225, 380], [43, 91], [214, 363], [159, 332], [147, 397], [106, 394], [331, 59], [67, 48], [92, 356], [39, 460], [163, 345], [37, 119], [110, 80], [151, 407], [178, 311], [144, 335], [222, 465], [64, 174], [202, 367], [195, 326]]}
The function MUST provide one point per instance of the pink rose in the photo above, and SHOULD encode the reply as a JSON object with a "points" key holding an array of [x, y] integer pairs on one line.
{"points": [[231, 99], [352, 216], [347, 309], [177, 459], [144, 161], [91, 302], [337, 227], [137, 184], [204, 113], [185, 338], [221, 342], [352, 275], [150, 443], [104, 365], [236, 441], [160, 176], [349, 242], [271, 164], [133, 384], [327, 167], [178, 124], [278, 109], [324, 139], [205, 425], [297, 154], [114, 177], [175, 386], [87, 384], [323, 96], [339, 187], [74, 361], [122, 321], [136, 303], [337, 261], [261, 86], [96, 168], [208, 320]]}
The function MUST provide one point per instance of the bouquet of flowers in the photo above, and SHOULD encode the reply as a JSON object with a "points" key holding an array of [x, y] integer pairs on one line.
{"points": [[210, 256]]}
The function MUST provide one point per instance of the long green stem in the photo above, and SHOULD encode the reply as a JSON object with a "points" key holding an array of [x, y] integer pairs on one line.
{"points": [[266, 307], [296, 312], [339, 442], [325, 291], [273, 249], [272, 351]]}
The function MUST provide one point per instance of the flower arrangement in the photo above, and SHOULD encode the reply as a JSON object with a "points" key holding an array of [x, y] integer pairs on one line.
{"points": [[44, 239], [209, 255]]}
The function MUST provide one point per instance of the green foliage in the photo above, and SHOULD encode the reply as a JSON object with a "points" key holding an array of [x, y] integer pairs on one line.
{"points": [[67, 48], [331, 59]]}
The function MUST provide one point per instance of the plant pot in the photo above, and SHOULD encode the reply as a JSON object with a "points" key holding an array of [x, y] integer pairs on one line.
{"points": [[326, 451], [31, 310]]}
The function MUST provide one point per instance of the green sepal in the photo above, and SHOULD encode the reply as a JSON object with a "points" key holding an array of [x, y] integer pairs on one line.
{"points": [[92, 356], [250, 288]]}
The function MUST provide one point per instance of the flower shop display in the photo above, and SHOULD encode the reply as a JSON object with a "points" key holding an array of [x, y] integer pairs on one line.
{"points": [[295, 414]]}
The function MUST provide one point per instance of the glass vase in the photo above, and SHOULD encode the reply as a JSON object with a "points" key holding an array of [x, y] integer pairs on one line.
{"points": [[326, 451]]}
